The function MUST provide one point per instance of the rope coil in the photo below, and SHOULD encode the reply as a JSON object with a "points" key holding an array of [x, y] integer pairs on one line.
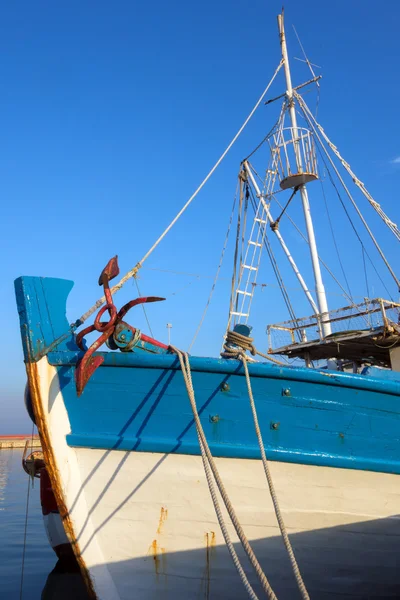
{"points": [[236, 344]]}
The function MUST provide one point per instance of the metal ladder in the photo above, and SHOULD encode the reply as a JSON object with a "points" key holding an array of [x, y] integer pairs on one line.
{"points": [[250, 264]]}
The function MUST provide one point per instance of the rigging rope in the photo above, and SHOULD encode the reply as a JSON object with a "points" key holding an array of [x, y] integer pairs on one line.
{"points": [[346, 213], [375, 205], [269, 134], [132, 272], [323, 263], [365, 272], [260, 285], [334, 239], [144, 310], [203, 316], [311, 120], [309, 64], [206, 456]]}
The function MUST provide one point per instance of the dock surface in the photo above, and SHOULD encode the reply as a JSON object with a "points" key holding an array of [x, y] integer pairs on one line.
{"points": [[18, 441]]}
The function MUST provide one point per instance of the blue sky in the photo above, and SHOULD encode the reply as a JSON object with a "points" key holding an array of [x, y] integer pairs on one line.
{"points": [[112, 113]]}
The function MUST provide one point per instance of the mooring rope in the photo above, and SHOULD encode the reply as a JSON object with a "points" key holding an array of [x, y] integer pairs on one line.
{"points": [[245, 344], [235, 343], [208, 458], [282, 527], [236, 346]]}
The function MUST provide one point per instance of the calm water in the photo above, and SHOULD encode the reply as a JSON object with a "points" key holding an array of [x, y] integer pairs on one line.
{"points": [[40, 559]]}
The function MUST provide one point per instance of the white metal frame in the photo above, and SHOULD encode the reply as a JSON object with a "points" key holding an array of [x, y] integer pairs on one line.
{"points": [[319, 286]]}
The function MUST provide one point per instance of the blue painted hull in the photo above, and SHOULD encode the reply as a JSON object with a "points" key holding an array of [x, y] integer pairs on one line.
{"points": [[139, 401]]}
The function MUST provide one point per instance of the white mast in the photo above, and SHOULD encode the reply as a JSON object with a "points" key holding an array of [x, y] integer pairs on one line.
{"points": [[319, 286]]}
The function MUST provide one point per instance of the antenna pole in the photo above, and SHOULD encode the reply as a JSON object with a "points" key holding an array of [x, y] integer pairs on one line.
{"points": [[319, 286]]}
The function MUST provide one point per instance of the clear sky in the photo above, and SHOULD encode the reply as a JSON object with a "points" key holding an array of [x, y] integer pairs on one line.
{"points": [[112, 113]]}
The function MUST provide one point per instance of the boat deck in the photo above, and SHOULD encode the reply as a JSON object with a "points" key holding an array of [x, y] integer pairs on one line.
{"points": [[359, 346]]}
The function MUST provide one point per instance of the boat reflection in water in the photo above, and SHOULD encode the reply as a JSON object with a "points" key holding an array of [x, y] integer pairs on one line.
{"points": [[65, 581]]}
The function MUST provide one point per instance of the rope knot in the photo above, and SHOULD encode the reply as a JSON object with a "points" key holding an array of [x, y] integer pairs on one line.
{"points": [[237, 344]]}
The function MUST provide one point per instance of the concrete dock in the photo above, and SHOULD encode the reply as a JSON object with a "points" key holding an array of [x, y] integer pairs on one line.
{"points": [[18, 441]]}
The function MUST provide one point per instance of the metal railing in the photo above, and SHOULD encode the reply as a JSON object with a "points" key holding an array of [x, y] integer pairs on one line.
{"points": [[366, 316], [293, 147]]}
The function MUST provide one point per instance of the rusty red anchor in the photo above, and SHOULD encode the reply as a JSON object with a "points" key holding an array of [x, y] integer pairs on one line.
{"points": [[89, 362]]}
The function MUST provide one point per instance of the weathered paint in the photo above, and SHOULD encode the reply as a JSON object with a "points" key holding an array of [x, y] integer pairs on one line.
{"points": [[53, 472], [343, 525], [63, 470], [151, 413], [210, 549], [42, 324], [334, 516], [150, 410]]}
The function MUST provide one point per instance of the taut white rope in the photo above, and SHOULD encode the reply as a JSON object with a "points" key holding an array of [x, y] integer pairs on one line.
{"points": [[136, 268]]}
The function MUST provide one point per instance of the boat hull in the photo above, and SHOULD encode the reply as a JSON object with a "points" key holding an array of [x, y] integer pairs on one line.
{"points": [[143, 523], [127, 476], [155, 523]]}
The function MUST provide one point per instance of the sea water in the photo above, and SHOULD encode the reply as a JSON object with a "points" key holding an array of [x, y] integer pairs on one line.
{"points": [[42, 577]]}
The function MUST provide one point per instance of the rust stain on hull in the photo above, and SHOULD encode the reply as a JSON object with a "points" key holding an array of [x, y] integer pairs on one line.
{"points": [[157, 552], [163, 518], [45, 438], [210, 547], [156, 558], [164, 562]]}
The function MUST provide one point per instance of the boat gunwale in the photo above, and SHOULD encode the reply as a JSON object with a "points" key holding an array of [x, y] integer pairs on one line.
{"points": [[234, 367]]}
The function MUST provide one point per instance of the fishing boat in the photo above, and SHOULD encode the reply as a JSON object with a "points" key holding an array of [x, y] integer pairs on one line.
{"points": [[261, 474]]}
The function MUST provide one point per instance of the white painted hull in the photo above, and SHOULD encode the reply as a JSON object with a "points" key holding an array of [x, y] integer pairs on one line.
{"points": [[145, 526]]}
